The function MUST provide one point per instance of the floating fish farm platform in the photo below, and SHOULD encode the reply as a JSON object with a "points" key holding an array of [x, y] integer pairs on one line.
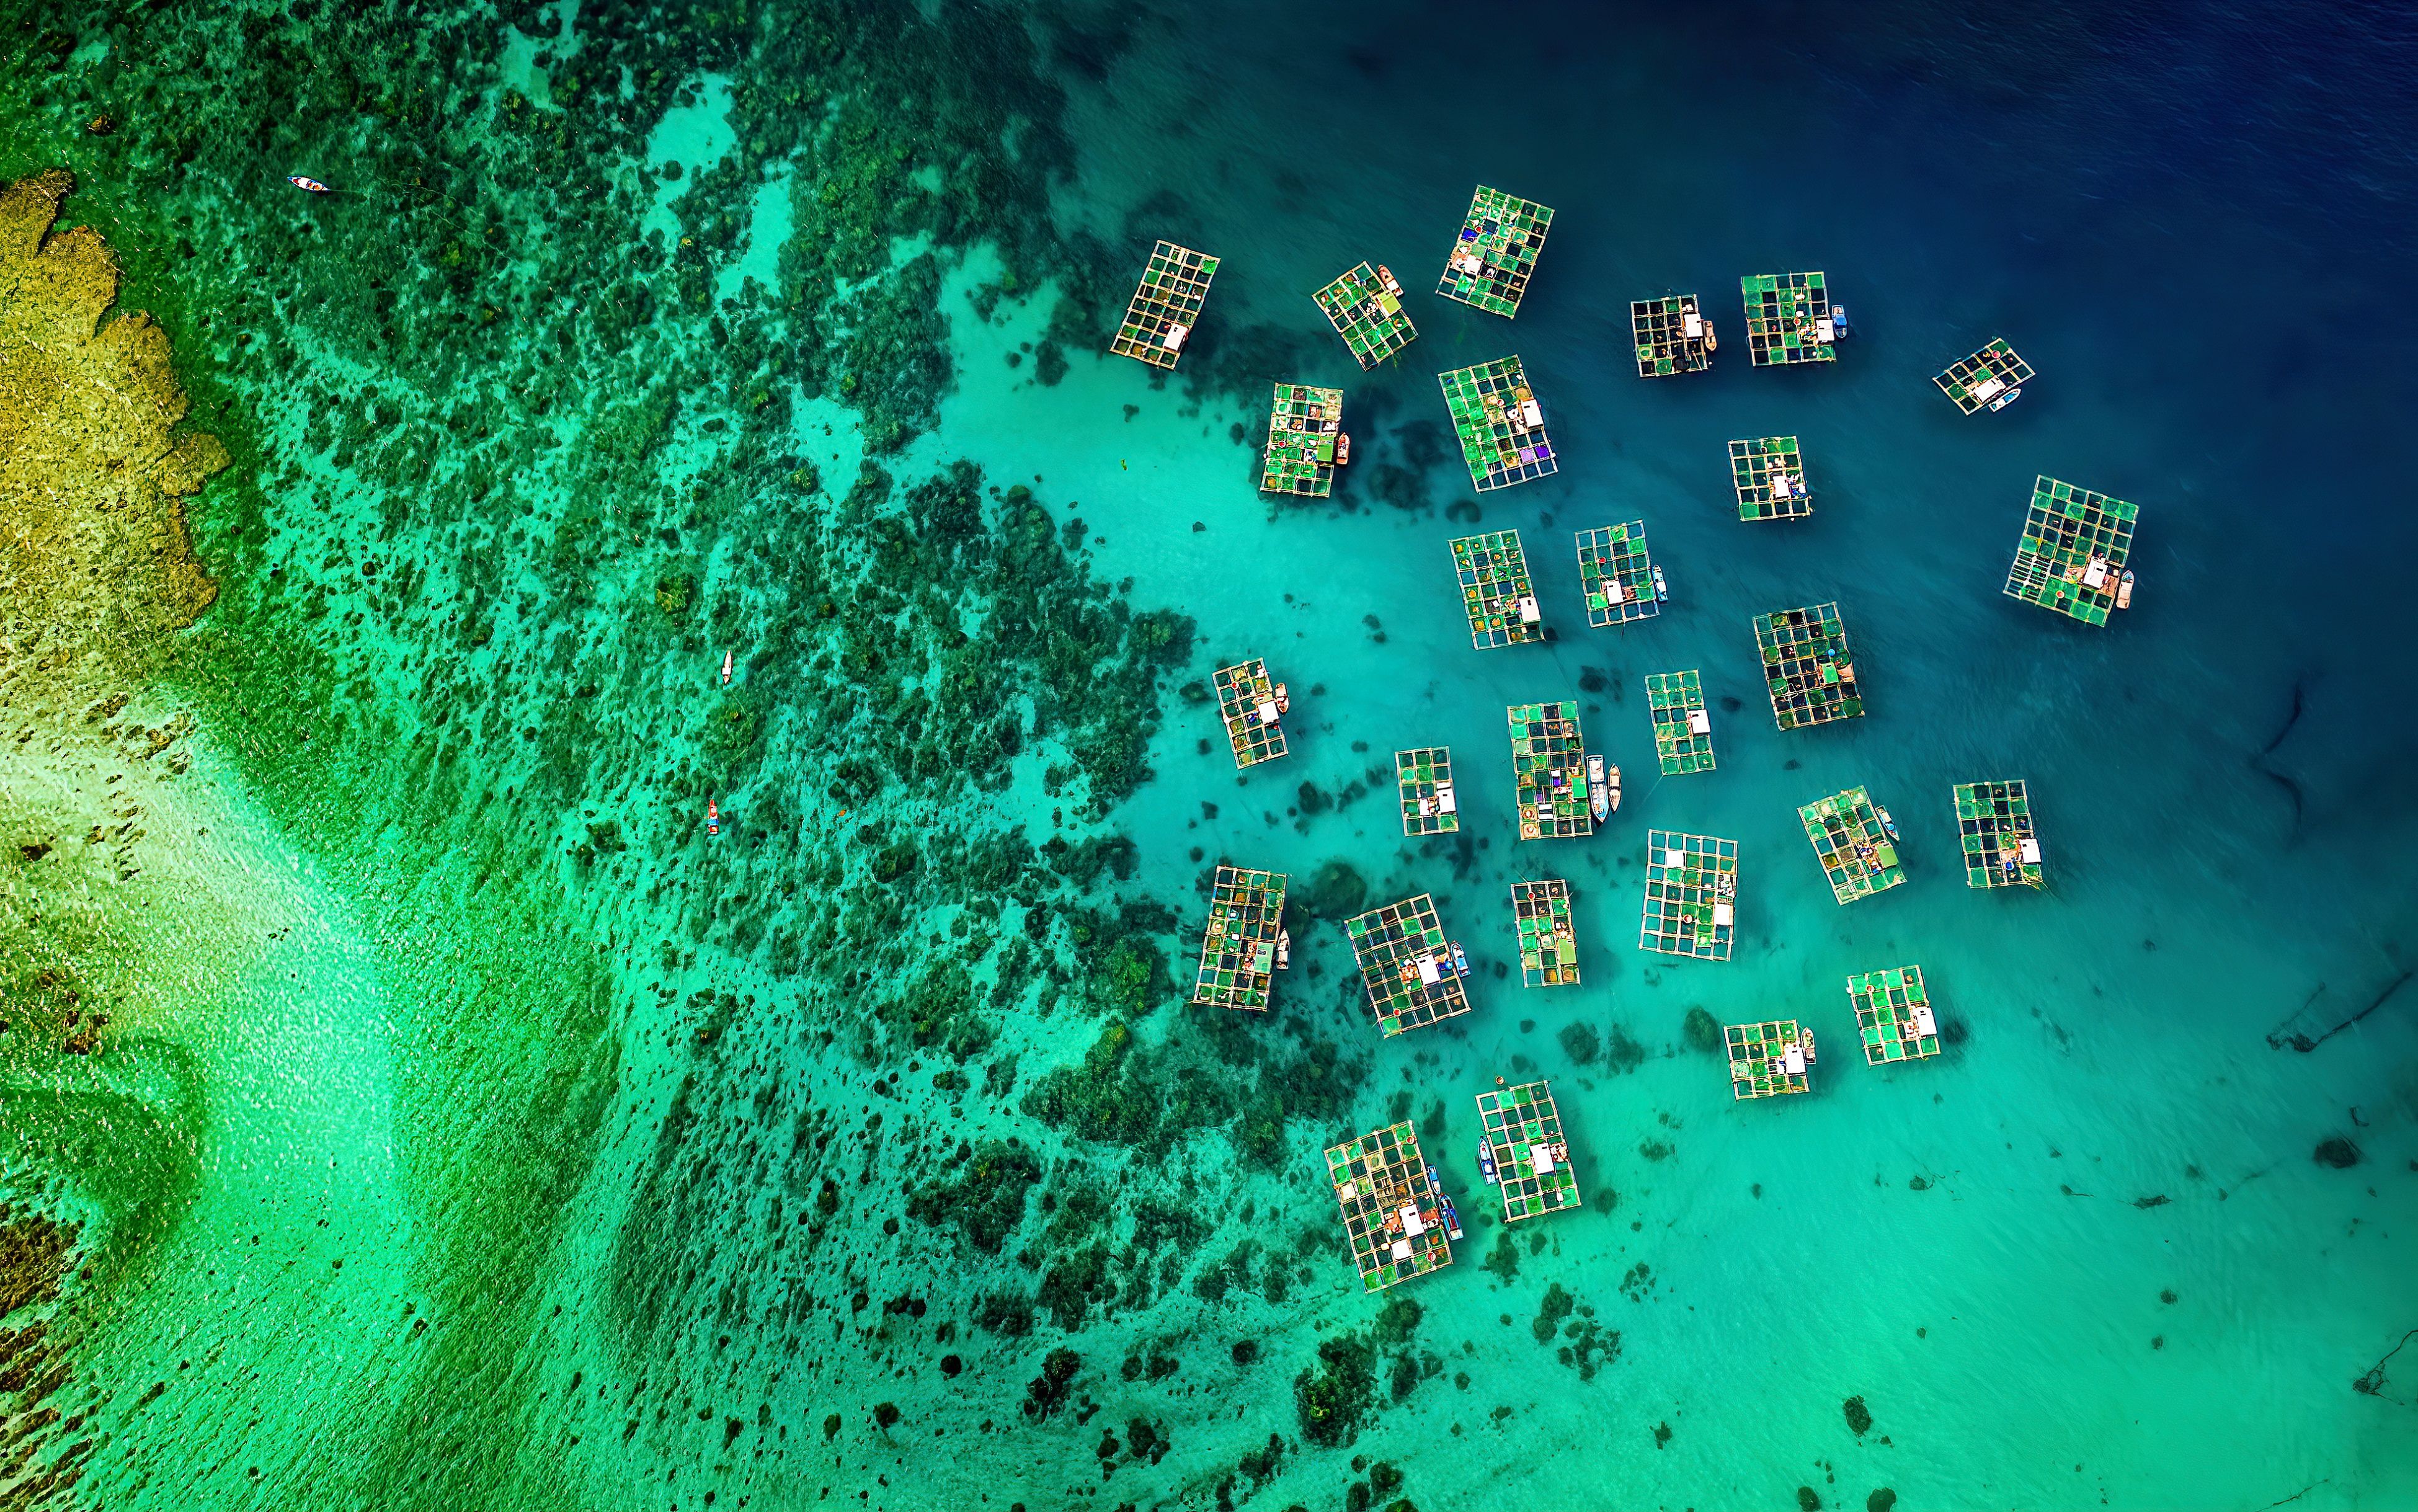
{"points": [[1305, 441], [1994, 823], [1986, 381], [1617, 574], [1673, 336], [1549, 765], [1251, 704], [1807, 665], [1859, 859], [1770, 1058], [1894, 1014], [1531, 1159], [1365, 306], [1392, 1212], [1165, 306], [1424, 779], [1691, 895], [1238, 953], [1501, 426], [2071, 557], [1495, 592], [1549, 944], [1788, 319], [1414, 976], [1495, 252], [1683, 731], [1769, 473]]}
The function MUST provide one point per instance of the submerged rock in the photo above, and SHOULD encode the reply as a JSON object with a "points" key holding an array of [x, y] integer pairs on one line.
{"points": [[2336, 1152]]}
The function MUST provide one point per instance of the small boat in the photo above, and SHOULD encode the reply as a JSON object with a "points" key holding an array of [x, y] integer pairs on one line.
{"points": [[713, 817], [1615, 774], [1342, 448], [1805, 1038], [725, 669], [2006, 398], [1283, 700], [1888, 826], [1451, 1218], [1598, 791], [1486, 1161], [311, 185], [1838, 321], [1385, 276], [1284, 949], [2124, 590], [1460, 959], [1661, 589]]}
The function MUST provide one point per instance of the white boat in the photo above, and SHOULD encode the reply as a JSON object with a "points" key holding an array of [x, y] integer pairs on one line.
{"points": [[1661, 589], [1284, 949], [726, 668], [2124, 590], [2006, 398], [1599, 800]]}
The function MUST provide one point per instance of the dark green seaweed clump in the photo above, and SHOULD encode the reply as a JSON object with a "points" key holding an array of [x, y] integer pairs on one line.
{"points": [[1858, 1418], [1335, 1401], [984, 1198], [1704, 1032]]}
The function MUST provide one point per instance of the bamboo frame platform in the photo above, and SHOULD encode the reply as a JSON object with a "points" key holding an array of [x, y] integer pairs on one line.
{"points": [[1495, 252], [1496, 594], [1808, 667], [1683, 729], [1857, 857], [1787, 319], [2070, 559], [1894, 1014], [1971, 383], [1365, 307], [1549, 944], [1616, 573], [1691, 895], [1523, 1130], [1305, 441], [1549, 771], [1672, 336], [1994, 825], [1411, 972], [1423, 780], [1246, 701], [1499, 423], [1238, 949], [1769, 1059], [1166, 305], [1393, 1216], [1769, 473]]}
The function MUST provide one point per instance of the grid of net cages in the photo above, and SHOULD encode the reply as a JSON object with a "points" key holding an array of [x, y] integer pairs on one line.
{"points": [[1672, 336], [1549, 771], [1549, 942], [1251, 703], [1893, 1015], [1619, 576], [1788, 319], [1854, 840], [1393, 1216], [1495, 252], [1683, 729], [1496, 594], [1166, 305], [1523, 1141], [1769, 1060], [1807, 665], [1994, 826], [1423, 781], [2070, 559], [1305, 441], [1413, 975], [1768, 472], [1499, 423], [1240, 948], [1365, 306], [1991, 378], [1691, 895]]}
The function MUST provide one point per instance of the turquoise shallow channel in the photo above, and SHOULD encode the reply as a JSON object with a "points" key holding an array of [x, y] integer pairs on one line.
{"points": [[610, 790]]}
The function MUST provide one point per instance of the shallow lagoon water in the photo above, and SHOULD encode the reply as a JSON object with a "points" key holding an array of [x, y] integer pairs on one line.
{"points": [[1971, 1246]]}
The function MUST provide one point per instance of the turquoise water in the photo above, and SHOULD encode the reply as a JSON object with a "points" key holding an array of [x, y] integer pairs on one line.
{"points": [[657, 1134]]}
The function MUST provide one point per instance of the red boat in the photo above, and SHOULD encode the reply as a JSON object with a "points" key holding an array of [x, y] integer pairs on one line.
{"points": [[310, 184], [713, 817]]}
